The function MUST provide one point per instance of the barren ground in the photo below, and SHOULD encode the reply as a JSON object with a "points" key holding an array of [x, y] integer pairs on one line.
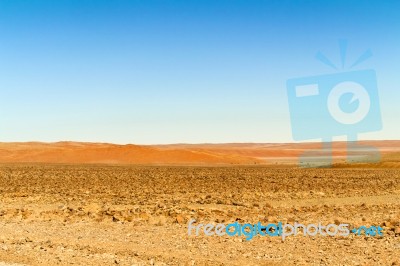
{"points": [[137, 215]]}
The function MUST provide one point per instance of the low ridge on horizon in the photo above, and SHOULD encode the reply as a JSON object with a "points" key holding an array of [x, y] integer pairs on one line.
{"points": [[71, 152]]}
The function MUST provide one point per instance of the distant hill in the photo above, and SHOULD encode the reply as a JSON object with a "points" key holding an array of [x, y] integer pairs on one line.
{"points": [[175, 154], [103, 153]]}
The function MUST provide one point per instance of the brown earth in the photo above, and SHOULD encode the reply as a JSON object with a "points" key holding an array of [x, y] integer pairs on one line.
{"points": [[104, 153], [179, 154], [137, 215]]}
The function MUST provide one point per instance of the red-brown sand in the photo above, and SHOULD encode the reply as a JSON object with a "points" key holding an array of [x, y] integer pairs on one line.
{"points": [[179, 154]]}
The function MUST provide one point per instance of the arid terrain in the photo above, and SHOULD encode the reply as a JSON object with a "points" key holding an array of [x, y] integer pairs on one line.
{"points": [[55, 214], [182, 154]]}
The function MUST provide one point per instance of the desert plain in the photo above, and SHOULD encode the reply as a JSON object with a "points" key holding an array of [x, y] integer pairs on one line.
{"points": [[100, 204]]}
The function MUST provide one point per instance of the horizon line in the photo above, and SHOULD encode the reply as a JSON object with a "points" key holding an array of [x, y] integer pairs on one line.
{"points": [[184, 143]]}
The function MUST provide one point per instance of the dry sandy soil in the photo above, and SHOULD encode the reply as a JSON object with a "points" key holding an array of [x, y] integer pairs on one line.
{"points": [[137, 215], [181, 154]]}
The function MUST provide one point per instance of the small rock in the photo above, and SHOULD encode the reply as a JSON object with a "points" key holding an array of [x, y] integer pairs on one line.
{"points": [[180, 219]]}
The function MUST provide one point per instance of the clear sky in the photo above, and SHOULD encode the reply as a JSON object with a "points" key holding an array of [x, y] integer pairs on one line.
{"points": [[150, 72]]}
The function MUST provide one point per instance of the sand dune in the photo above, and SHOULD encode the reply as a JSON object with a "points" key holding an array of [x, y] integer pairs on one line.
{"points": [[93, 153], [288, 153], [181, 154]]}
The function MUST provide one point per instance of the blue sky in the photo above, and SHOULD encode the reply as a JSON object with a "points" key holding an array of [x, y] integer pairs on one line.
{"points": [[150, 72]]}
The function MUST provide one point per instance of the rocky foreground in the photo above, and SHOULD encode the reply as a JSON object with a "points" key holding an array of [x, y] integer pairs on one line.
{"points": [[120, 215]]}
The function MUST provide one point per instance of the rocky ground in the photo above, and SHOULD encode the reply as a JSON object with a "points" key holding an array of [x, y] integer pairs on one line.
{"points": [[138, 215]]}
